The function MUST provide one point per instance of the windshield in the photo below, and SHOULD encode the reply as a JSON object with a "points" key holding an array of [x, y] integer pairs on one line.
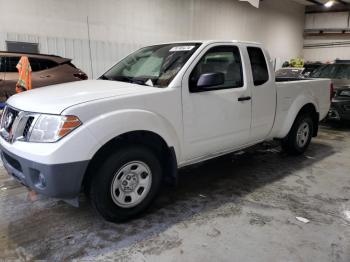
{"points": [[153, 65], [333, 71]]}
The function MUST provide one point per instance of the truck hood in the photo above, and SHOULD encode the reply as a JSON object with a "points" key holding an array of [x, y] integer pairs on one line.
{"points": [[56, 98]]}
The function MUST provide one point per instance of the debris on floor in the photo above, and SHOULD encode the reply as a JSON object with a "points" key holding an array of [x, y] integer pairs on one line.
{"points": [[303, 219]]}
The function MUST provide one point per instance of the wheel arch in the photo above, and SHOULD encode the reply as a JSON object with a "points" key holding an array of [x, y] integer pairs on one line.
{"points": [[300, 106], [149, 139], [310, 109]]}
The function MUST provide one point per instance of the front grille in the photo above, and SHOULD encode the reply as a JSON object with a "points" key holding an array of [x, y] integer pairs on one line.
{"points": [[7, 122], [27, 127], [8, 118], [16, 125]]}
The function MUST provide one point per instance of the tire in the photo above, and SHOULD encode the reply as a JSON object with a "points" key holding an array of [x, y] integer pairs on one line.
{"points": [[116, 189], [295, 144]]}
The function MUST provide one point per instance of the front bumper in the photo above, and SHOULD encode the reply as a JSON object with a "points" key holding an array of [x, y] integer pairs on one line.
{"points": [[62, 181]]}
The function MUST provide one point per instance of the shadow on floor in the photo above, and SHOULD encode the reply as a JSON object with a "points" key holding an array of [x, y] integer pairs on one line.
{"points": [[56, 231]]}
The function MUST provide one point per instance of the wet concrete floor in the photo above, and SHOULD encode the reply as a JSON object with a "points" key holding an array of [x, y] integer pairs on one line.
{"points": [[241, 207]]}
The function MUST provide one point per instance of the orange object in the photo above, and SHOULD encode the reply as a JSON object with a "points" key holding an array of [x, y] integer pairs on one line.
{"points": [[24, 82]]}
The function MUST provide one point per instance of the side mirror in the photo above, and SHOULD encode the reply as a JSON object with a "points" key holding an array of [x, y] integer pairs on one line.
{"points": [[209, 81]]}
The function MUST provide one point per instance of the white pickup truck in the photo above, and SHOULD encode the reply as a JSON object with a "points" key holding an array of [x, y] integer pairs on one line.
{"points": [[161, 108]]}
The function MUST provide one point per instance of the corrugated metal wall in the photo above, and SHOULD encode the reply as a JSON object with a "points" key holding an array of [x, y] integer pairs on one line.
{"points": [[118, 27], [103, 54], [327, 36]]}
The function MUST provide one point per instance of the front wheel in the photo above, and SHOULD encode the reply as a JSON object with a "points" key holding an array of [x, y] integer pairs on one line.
{"points": [[299, 137], [126, 183]]}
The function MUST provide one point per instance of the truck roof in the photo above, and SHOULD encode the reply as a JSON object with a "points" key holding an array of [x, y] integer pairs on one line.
{"points": [[212, 42]]}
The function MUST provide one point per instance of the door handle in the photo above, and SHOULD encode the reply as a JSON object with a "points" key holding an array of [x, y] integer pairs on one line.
{"points": [[244, 98]]}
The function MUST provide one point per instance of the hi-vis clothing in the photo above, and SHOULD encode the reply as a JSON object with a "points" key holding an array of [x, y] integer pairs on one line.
{"points": [[25, 75]]}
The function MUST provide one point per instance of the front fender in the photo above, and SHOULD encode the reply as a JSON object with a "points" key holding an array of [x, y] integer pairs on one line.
{"points": [[120, 122]]}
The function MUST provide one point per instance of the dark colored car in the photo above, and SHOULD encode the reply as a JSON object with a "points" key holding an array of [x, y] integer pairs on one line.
{"points": [[46, 70], [340, 107], [339, 73], [310, 67]]}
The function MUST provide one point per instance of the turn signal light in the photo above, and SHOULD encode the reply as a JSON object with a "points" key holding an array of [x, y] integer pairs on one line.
{"points": [[69, 125]]}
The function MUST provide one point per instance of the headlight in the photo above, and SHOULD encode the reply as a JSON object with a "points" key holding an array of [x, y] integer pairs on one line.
{"points": [[51, 128]]}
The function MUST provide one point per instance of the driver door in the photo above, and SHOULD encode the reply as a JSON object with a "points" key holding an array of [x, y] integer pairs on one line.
{"points": [[219, 119]]}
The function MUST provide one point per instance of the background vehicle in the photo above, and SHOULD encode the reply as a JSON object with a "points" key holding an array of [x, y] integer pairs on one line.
{"points": [[339, 73], [290, 73], [340, 107], [310, 67], [46, 70], [163, 107], [287, 73]]}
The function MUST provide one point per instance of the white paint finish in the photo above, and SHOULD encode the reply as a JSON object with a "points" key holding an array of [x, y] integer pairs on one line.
{"points": [[263, 105], [215, 121], [292, 96], [172, 113], [56, 98], [118, 27]]}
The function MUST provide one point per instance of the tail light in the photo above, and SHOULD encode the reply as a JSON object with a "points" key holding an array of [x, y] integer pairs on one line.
{"points": [[331, 91], [81, 76]]}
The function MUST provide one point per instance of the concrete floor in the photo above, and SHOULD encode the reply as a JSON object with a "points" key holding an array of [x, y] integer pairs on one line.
{"points": [[237, 208]]}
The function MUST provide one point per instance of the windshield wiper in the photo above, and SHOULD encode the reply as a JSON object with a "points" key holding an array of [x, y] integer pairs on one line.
{"points": [[104, 77], [127, 79], [132, 80]]}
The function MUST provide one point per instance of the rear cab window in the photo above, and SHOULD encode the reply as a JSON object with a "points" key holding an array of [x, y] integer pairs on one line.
{"points": [[259, 65], [220, 59]]}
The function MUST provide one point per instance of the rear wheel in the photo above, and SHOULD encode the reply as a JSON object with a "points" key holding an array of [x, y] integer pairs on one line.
{"points": [[126, 183], [299, 137]]}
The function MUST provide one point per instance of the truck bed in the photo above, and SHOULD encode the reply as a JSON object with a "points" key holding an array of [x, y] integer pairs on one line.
{"points": [[291, 94], [290, 79]]}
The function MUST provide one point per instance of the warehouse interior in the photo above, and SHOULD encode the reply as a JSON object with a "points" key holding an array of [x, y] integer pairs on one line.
{"points": [[254, 203]]}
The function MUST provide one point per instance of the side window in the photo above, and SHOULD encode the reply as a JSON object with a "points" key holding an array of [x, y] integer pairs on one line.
{"points": [[11, 63], [38, 64], [35, 64], [2, 64], [220, 59], [46, 64], [259, 66]]}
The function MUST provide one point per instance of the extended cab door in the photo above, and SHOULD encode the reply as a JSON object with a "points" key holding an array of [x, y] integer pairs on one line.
{"points": [[216, 120], [263, 93]]}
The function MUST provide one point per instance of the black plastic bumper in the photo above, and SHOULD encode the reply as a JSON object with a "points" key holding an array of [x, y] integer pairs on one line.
{"points": [[61, 181]]}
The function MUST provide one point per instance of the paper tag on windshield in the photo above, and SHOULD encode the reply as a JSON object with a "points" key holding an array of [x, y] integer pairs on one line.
{"points": [[149, 82], [181, 48]]}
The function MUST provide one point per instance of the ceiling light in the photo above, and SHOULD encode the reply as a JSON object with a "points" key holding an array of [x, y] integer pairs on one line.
{"points": [[329, 3]]}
